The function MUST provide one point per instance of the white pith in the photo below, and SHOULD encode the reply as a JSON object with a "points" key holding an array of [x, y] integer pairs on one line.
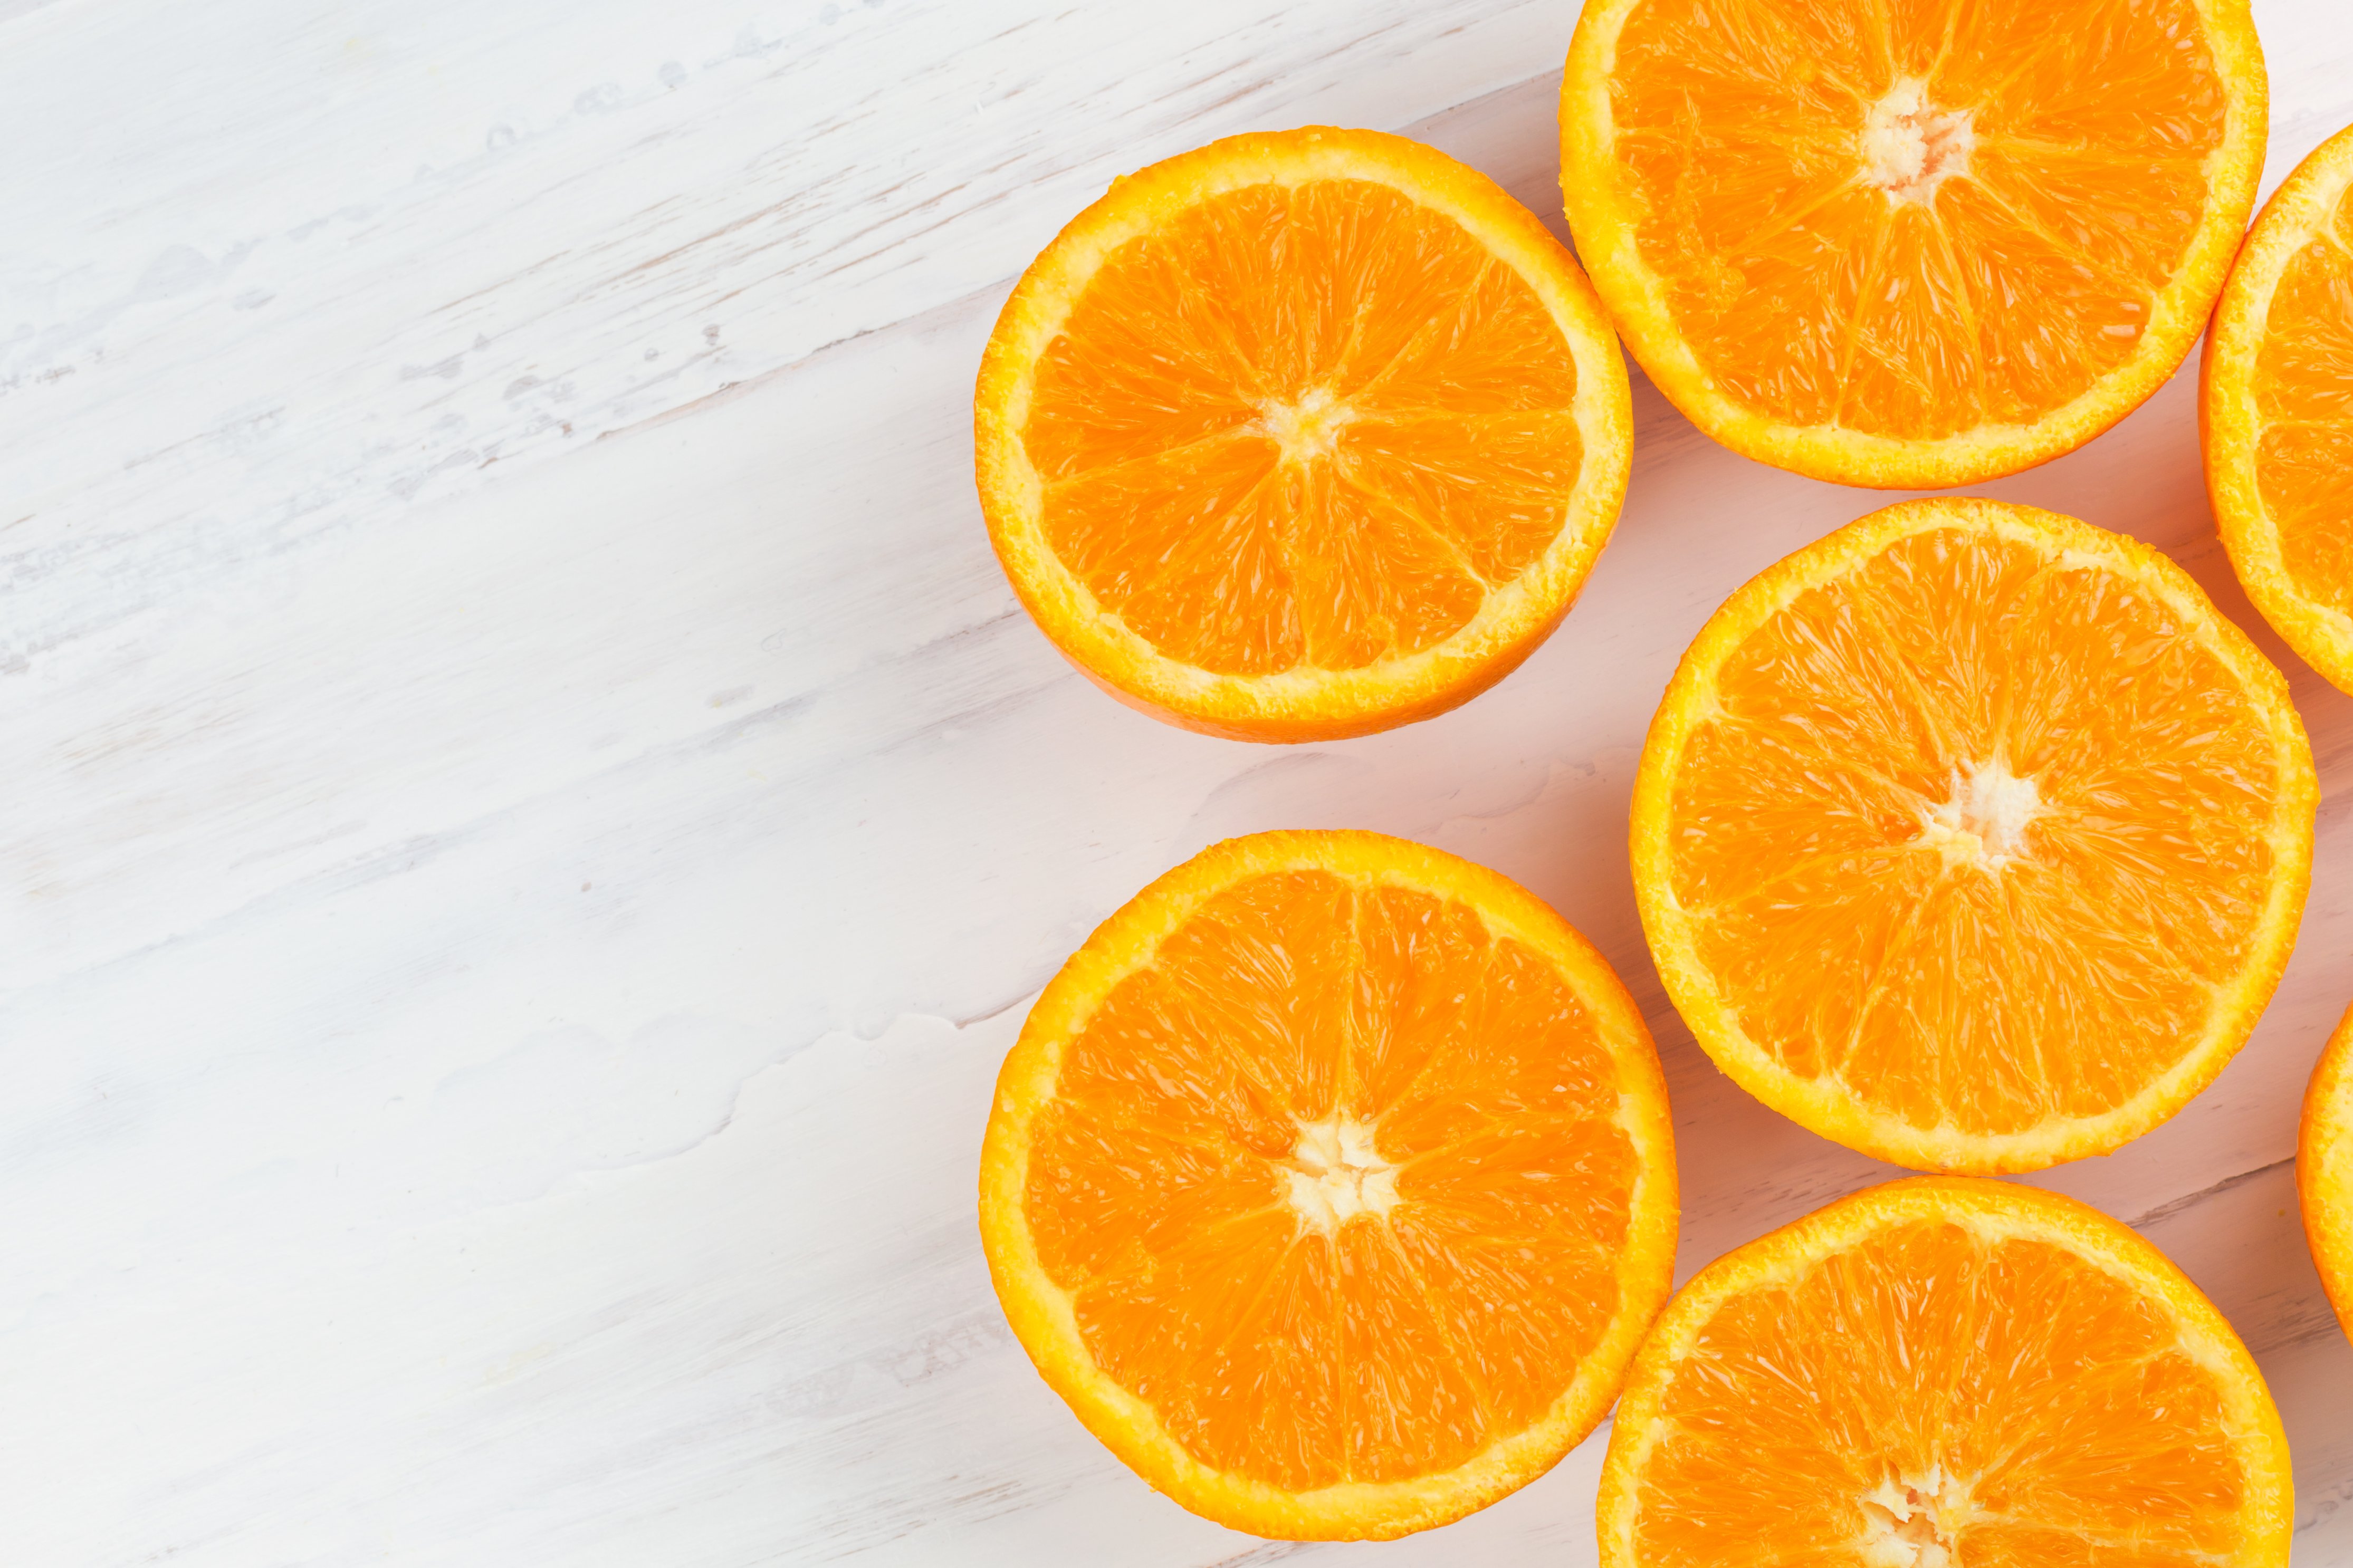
{"points": [[1983, 822], [1337, 1175], [1910, 146], [1306, 428], [1911, 1522]]}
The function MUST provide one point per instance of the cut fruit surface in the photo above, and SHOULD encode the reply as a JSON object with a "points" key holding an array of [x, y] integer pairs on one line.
{"points": [[1332, 1183], [1300, 435], [1910, 245], [1946, 1372], [2275, 409], [1973, 836], [2324, 1169]]}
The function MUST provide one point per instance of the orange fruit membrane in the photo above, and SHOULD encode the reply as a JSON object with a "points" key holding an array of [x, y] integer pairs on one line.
{"points": [[1300, 435], [1946, 1372], [1973, 836], [1910, 243], [2324, 1169], [2276, 406], [1331, 1183]]}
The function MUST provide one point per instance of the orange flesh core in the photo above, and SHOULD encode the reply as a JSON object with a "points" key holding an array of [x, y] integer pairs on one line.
{"points": [[1306, 425], [1335, 1182], [1933, 1396], [1975, 830], [2302, 386], [1917, 219]]}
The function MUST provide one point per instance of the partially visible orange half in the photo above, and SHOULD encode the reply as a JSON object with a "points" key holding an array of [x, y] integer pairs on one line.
{"points": [[1946, 1372], [1332, 1183], [1300, 435], [1910, 244], [2276, 406], [2324, 1169]]}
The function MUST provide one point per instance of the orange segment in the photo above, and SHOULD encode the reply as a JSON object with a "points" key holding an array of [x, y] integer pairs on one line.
{"points": [[1939, 1372], [1914, 243], [1300, 435], [1331, 1183], [1972, 836], [2324, 1169], [2276, 411]]}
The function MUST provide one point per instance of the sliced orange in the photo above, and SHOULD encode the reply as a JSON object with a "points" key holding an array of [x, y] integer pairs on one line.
{"points": [[1332, 1183], [1910, 243], [1946, 1372], [1973, 836], [2324, 1169], [1300, 435], [2276, 406]]}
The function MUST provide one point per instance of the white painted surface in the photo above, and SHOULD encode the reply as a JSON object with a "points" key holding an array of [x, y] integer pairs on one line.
{"points": [[532, 816]]}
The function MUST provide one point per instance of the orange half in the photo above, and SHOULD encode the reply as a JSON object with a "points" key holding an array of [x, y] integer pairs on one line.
{"points": [[1332, 1183], [1914, 243], [1946, 1372], [2324, 1169], [2276, 407], [1300, 435], [1973, 836]]}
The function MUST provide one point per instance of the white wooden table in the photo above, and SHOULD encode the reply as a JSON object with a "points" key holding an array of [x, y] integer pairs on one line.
{"points": [[532, 815]]}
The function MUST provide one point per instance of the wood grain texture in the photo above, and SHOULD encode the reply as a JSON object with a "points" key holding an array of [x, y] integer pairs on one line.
{"points": [[534, 815]]}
